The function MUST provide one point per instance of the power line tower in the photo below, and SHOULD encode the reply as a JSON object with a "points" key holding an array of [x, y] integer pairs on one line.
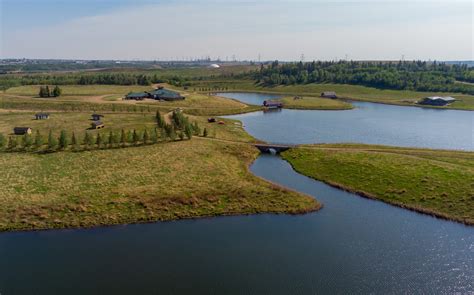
{"points": [[302, 57]]}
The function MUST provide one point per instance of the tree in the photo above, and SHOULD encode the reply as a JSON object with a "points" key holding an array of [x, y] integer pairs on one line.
{"points": [[63, 140], [47, 92], [88, 140], [3, 141], [204, 133], [135, 138], [56, 91], [12, 143], [27, 141], [111, 139], [196, 128], [154, 136], [159, 119], [146, 136], [123, 138], [99, 140], [52, 143], [130, 136], [38, 140], [42, 91], [75, 144], [188, 130]]}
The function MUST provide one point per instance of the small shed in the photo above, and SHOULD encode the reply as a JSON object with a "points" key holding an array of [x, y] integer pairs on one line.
{"points": [[21, 130], [96, 117], [329, 94], [41, 116], [272, 104], [437, 100], [97, 125]]}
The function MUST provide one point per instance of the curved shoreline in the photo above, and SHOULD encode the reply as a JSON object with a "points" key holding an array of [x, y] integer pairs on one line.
{"points": [[367, 195]]}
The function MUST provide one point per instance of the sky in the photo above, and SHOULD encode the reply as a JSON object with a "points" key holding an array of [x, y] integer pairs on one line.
{"points": [[283, 30]]}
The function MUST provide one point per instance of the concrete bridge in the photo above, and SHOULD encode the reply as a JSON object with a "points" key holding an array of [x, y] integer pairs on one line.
{"points": [[272, 148]]}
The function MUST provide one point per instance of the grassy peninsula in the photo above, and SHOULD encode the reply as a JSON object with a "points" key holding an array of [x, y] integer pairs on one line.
{"points": [[436, 182]]}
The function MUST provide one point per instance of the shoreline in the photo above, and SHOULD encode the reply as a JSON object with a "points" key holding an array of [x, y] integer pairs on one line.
{"points": [[371, 196]]}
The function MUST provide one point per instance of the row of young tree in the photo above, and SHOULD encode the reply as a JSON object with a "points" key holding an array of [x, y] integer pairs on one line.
{"points": [[46, 92], [402, 75], [180, 128]]}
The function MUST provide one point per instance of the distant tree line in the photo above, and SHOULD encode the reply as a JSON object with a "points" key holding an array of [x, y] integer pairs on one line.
{"points": [[180, 128], [402, 75]]}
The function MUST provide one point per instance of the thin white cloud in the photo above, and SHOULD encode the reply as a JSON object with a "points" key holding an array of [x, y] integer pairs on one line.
{"points": [[277, 30]]}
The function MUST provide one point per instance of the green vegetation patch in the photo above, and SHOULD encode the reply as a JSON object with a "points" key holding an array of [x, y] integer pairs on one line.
{"points": [[314, 103], [182, 179], [436, 182]]}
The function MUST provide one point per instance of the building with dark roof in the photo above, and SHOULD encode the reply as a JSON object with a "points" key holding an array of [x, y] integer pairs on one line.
{"points": [[41, 116], [97, 125], [437, 100], [21, 130], [96, 117], [137, 95], [272, 104], [329, 94], [165, 94]]}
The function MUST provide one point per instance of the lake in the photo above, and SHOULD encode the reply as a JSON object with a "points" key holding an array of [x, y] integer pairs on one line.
{"points": [[352, 245], [370, 123]]}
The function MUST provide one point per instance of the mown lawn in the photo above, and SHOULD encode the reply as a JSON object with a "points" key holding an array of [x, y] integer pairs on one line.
{"points": [[182, 179], [430, 181]]}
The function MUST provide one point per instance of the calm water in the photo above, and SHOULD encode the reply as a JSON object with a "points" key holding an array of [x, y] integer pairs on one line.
{"points": [[353, 245], [250, 98], [367, 123]]}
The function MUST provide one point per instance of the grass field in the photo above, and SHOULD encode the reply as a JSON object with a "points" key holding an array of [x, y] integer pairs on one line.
{"points": [[315, 103], [184, 179], [108, 98], [435, 182], [354, 92], [79, 123]]}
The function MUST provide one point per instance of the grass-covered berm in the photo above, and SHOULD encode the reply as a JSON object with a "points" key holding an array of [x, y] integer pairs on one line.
{"points": [[165, 181], [435, 182]]}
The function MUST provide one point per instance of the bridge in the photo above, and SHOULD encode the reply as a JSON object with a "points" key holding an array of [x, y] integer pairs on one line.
{"points": [[273, 148]]}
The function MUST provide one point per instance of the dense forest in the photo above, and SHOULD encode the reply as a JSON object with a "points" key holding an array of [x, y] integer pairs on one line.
{"points": [[402, 75]]}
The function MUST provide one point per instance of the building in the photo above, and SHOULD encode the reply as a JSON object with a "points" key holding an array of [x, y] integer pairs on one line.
{"points": [[437, 100], [21, 130], [41, 116], [165, 94], [272, 104], [97, 125], [137, 95], [96, 117], [329, 94]]}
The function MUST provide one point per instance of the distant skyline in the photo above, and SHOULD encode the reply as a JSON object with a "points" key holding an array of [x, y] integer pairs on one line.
{"points": [[284, 30]]}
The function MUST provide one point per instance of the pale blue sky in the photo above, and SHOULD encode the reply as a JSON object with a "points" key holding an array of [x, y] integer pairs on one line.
{"points": [[321, 30]]}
